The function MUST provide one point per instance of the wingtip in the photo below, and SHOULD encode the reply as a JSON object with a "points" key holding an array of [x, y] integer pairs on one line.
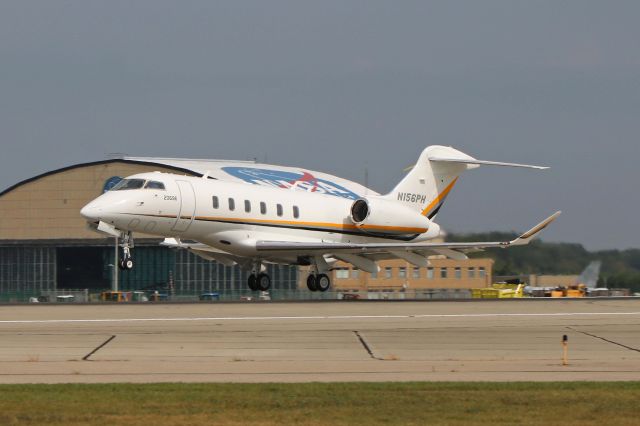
{"points": [[527, 236]]}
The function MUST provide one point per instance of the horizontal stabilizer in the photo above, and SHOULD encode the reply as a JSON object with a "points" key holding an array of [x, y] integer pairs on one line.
{"points": [[482, 162]]}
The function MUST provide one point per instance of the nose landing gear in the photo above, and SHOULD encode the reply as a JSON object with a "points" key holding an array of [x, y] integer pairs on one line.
{"points": [[126, 261]]}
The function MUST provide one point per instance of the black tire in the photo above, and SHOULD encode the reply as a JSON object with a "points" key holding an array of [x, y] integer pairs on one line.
{"points": [[128, 263], [323, 282], [311, 282], [121, 264], [252, 282], [263, 282]]}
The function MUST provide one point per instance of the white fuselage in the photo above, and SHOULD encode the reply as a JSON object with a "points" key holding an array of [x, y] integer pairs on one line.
{"points": [[243, 214]]}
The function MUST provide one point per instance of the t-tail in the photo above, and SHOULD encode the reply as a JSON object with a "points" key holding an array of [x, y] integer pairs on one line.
{"points": [[431, 179]]}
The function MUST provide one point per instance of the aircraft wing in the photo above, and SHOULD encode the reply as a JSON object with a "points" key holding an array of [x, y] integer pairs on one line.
{"points": [[203, 250], [452, 250]]}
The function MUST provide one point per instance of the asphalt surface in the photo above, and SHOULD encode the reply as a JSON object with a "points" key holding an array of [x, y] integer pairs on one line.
{"points": [[506, 340]]}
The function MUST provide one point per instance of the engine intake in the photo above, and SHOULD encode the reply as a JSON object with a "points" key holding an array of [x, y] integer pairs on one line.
{"points": [[377, 216]]}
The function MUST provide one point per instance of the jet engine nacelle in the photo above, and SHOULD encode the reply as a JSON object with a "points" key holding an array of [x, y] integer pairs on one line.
{"points": [[385, 217]]}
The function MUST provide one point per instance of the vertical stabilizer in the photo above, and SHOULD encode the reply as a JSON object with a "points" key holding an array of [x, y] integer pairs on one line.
{"points": [[428, 183]]}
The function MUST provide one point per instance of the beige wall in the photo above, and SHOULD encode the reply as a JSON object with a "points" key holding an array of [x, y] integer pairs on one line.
{"points": [[359, 280], [49, 207]]}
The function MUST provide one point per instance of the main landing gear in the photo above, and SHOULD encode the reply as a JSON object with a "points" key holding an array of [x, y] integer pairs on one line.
{"points": [[260, 282], [126, 261], [318, 282]]}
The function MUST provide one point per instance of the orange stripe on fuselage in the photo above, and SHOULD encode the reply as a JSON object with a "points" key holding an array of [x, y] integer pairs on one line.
{"points": [[439, 198], [317, 224]]}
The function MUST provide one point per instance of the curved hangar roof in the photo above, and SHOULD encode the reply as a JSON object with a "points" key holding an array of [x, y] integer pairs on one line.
{"points": [[48, 206]]}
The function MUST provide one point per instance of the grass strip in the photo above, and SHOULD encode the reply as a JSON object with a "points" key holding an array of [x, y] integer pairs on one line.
{"points": [[520, 403]]}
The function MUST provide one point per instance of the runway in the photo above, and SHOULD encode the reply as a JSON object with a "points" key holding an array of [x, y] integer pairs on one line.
{"points": [[329, 341]]}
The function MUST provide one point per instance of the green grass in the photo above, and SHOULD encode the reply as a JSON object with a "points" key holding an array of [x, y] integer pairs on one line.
{"points": [[574, 403]]}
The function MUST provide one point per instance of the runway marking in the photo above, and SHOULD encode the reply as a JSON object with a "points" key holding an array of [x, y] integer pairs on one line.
{"points": [[317, 317]]}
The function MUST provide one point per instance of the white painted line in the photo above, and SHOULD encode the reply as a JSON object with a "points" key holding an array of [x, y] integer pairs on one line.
{"points": [[319, 317]]}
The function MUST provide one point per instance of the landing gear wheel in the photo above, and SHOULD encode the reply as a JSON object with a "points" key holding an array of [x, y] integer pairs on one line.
{"points": [[323, 282], [252, 282], [311, 282], [121, 264], [264, 282], [126, 263]]}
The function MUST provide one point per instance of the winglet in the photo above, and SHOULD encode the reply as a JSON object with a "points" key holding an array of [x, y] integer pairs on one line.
{"points": [[531, 233]]}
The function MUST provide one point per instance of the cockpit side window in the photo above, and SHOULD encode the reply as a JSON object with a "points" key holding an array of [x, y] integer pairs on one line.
{"points": [[126, 184], [152, 184]]}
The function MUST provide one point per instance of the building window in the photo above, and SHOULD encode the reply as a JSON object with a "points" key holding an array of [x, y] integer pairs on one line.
{"points": [[355, 273], [472, 272], [232, 204], [215, 201], [457, 273], [387, 272], [263, 207], [402, 272], [430, 274], [296, 212], [443, 273], [416, 273], [481, 272], [374, 275], [342, 273], [279, 209], [247, 206]]}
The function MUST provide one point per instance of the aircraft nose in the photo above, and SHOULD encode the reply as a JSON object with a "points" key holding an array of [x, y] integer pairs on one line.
{"points": [[91, 211]]}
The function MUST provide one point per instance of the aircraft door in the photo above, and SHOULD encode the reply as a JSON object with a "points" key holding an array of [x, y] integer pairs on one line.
{"points": [[187, 206]]}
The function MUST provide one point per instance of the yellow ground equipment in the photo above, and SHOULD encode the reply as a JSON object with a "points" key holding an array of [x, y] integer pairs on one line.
{"points": [[578, 290], [498, 291], [115, 296]]}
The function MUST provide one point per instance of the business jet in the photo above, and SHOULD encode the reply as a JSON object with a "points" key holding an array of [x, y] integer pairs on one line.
{"points": [[306, 221]]}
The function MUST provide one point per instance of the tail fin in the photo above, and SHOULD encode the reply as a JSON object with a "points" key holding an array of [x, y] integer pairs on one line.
{"points": [[434, 175]]}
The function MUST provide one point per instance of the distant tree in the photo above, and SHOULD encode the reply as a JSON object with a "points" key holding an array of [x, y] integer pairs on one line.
{"points": [[620, 269]]}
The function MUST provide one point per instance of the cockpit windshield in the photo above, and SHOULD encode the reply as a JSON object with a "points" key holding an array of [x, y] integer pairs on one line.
{"points": [[152, 184], [125, 184]]}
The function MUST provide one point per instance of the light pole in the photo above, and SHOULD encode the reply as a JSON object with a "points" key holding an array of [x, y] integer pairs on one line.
{"points": [[114, 284]]}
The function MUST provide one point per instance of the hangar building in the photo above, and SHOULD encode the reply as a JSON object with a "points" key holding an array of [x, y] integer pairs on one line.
{"points": [[46, 245]]}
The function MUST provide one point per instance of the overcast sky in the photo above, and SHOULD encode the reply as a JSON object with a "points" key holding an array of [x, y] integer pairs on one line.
{"points": [[340, 86]]}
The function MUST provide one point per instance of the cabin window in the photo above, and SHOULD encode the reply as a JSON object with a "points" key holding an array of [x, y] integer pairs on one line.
{"points": [[263, 207], [232, 204], [152, 184], [279, 209], [126, 184], [247, 206], [296, 212], [215, 202]]}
